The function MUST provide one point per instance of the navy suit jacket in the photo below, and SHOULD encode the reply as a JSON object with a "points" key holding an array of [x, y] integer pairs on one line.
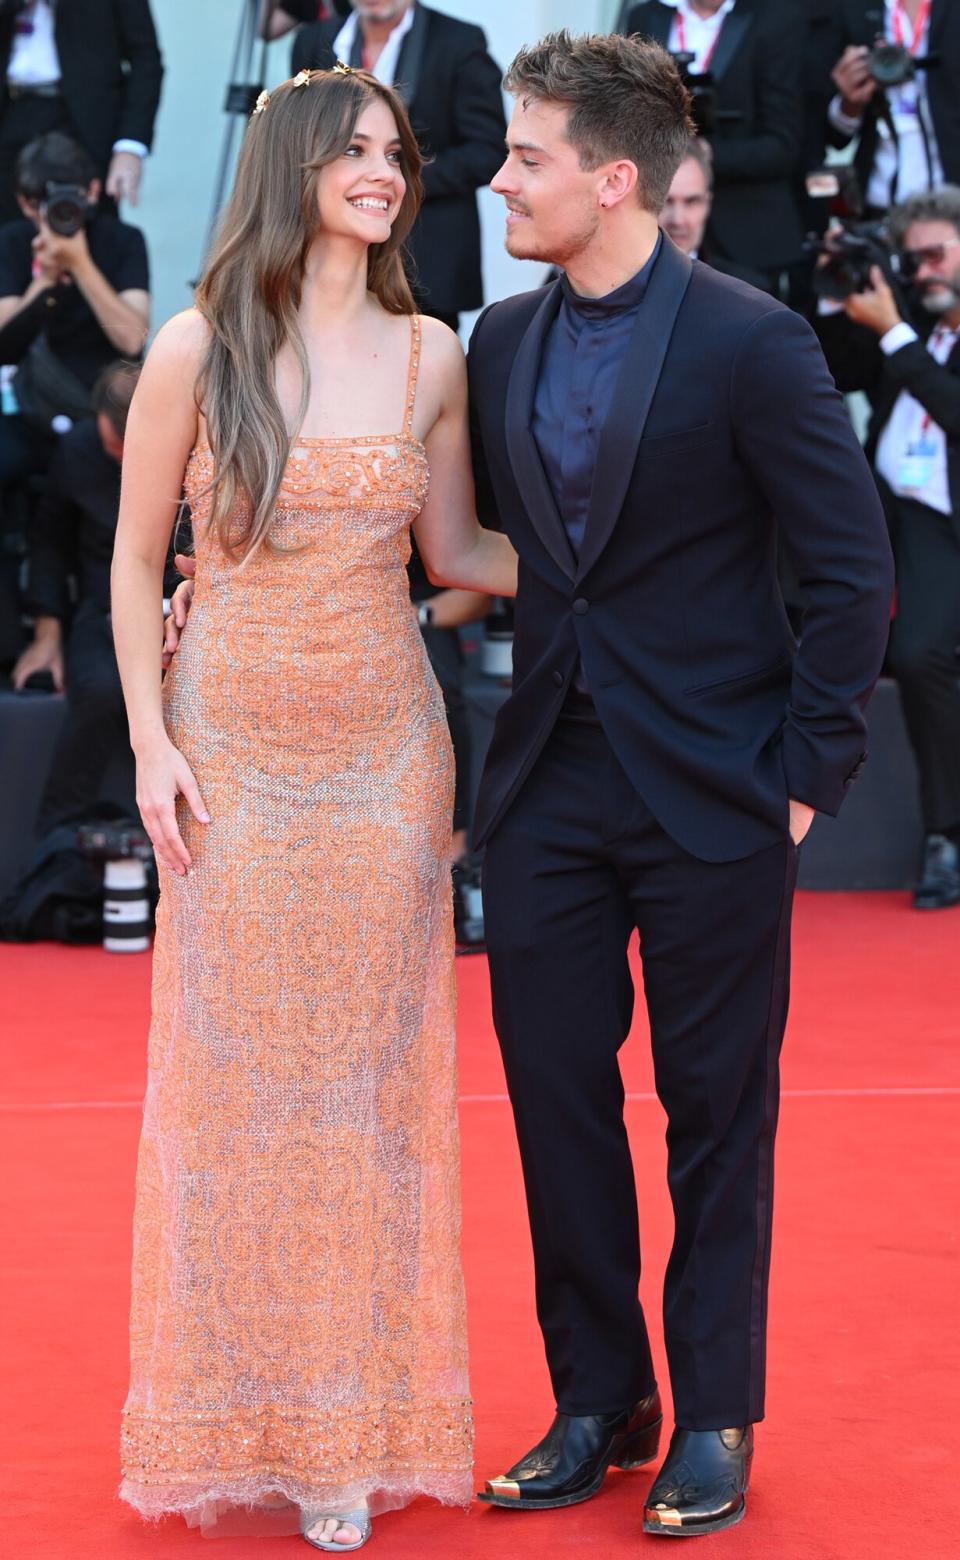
{"points": [[725, 425]]}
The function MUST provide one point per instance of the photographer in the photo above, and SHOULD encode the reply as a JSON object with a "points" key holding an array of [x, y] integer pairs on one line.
{"points": [[91, 68], [910, 370], [906, 117], [71, 545], [74, 295], [745, 70]]}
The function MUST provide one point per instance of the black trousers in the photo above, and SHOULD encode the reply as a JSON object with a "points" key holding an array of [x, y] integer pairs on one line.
{"points": [[925, 654], [94, 730], [577, 862]]}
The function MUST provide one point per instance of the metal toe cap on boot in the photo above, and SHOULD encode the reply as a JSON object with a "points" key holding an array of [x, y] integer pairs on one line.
{"points": [[703, 1483]]}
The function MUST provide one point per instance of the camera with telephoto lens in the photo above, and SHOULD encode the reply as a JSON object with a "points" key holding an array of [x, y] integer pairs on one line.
{"points": [[851, 251], [66, 209], [127, 857]]}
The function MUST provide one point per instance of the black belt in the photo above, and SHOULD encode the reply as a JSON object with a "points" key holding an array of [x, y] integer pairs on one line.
{"points": [[39, 89]]}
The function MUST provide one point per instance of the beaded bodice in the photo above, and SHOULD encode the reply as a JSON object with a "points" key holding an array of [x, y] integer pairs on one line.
{"points": [[373, 474]]}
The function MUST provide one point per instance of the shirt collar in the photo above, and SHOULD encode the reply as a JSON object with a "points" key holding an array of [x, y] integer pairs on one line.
{"points": [[385, 68], [684, 6], [620, 301]]}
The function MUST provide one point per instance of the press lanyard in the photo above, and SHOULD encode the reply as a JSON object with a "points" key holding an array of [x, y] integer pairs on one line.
{"points": [[919, 26], [941, 332], [705, 65]]}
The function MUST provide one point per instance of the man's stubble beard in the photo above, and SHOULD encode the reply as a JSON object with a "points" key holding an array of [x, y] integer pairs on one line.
{"points": [[559, 251]]}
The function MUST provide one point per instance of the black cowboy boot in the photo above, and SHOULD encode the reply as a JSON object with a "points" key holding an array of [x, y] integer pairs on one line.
{"points": [[702, 1484], [569, 1464]]}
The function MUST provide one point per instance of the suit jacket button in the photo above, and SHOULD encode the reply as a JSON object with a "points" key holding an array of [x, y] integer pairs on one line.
{"points": [[558, 679], [580, 606]]}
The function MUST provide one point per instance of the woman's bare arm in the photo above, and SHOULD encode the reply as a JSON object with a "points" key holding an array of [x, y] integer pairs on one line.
{"points": [[455, 548], [161, 432]]}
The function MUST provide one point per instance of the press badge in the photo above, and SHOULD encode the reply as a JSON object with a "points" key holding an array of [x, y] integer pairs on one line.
{"points": [[916, 467]]}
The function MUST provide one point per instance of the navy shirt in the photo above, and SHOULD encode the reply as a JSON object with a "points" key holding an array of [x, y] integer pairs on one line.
{"points": [[582, 354], [578, 373]]}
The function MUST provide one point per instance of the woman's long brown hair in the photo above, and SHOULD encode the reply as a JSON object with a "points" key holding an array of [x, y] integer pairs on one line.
{"points": [[250, 290]]}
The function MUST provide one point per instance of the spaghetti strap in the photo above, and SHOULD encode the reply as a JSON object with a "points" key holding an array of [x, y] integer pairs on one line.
{"points": [[412, 372]]}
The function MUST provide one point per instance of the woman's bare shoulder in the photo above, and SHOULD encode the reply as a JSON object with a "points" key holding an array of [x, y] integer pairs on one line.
{"points": [[440, 342], [443, 362], [181, 343]]}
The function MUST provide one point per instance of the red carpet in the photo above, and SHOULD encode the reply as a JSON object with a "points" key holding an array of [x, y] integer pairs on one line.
{"points": [[859, 1454]]}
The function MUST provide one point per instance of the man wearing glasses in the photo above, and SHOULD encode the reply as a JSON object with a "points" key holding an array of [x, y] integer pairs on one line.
{"points": [[910, 369]]}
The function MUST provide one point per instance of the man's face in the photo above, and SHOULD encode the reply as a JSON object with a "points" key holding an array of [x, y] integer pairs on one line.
{"points": [[381, 10], [934, 249], [552, 206], [687, 206]]}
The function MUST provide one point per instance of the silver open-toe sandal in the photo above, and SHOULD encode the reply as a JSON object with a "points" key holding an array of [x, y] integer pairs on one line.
{"points": [[358, 1519]]}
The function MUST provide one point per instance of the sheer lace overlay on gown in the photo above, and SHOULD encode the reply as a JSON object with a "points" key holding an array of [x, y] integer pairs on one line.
{"points": [[298, 1328]]}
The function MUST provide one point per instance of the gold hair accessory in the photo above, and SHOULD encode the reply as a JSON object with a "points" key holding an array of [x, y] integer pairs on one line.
{"points": [[261, 103], [343, 69], [303, 76]]}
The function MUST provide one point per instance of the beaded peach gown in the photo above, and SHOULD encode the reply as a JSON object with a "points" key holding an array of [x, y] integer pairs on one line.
{"points": [[298, 1327]]}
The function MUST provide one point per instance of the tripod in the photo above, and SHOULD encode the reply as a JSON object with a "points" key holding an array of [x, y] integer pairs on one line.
{"points": [[242, 94]]}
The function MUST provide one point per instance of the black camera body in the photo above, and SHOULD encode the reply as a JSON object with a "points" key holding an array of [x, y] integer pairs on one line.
{"points": [[113, 841], [890, 64], [703, 107], [66, 209], [851, 253]]}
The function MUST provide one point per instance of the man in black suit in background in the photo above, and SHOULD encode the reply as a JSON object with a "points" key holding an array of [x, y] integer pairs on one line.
{"points": [[753, 50], [642, 427], [91, 68], [451, 87]]}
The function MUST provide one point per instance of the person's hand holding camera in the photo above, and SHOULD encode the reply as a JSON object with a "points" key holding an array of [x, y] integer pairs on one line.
{"points": [[47, 269], [60, 254], [852, 79], [875, 308]]}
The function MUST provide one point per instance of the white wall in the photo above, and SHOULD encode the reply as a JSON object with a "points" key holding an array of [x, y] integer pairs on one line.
{"points": [[197, 38]]}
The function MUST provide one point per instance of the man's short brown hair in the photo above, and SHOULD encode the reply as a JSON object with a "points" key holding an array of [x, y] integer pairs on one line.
{"points": [[113, 392], [625, 97]]}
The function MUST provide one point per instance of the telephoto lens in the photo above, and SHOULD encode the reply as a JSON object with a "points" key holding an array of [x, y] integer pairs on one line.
{"points": [[126, 906], [496, 652]]}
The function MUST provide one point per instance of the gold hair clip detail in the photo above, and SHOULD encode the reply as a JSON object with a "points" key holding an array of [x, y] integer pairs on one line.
{"points": [[343, 69], [303, 76], [261, 103]]}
